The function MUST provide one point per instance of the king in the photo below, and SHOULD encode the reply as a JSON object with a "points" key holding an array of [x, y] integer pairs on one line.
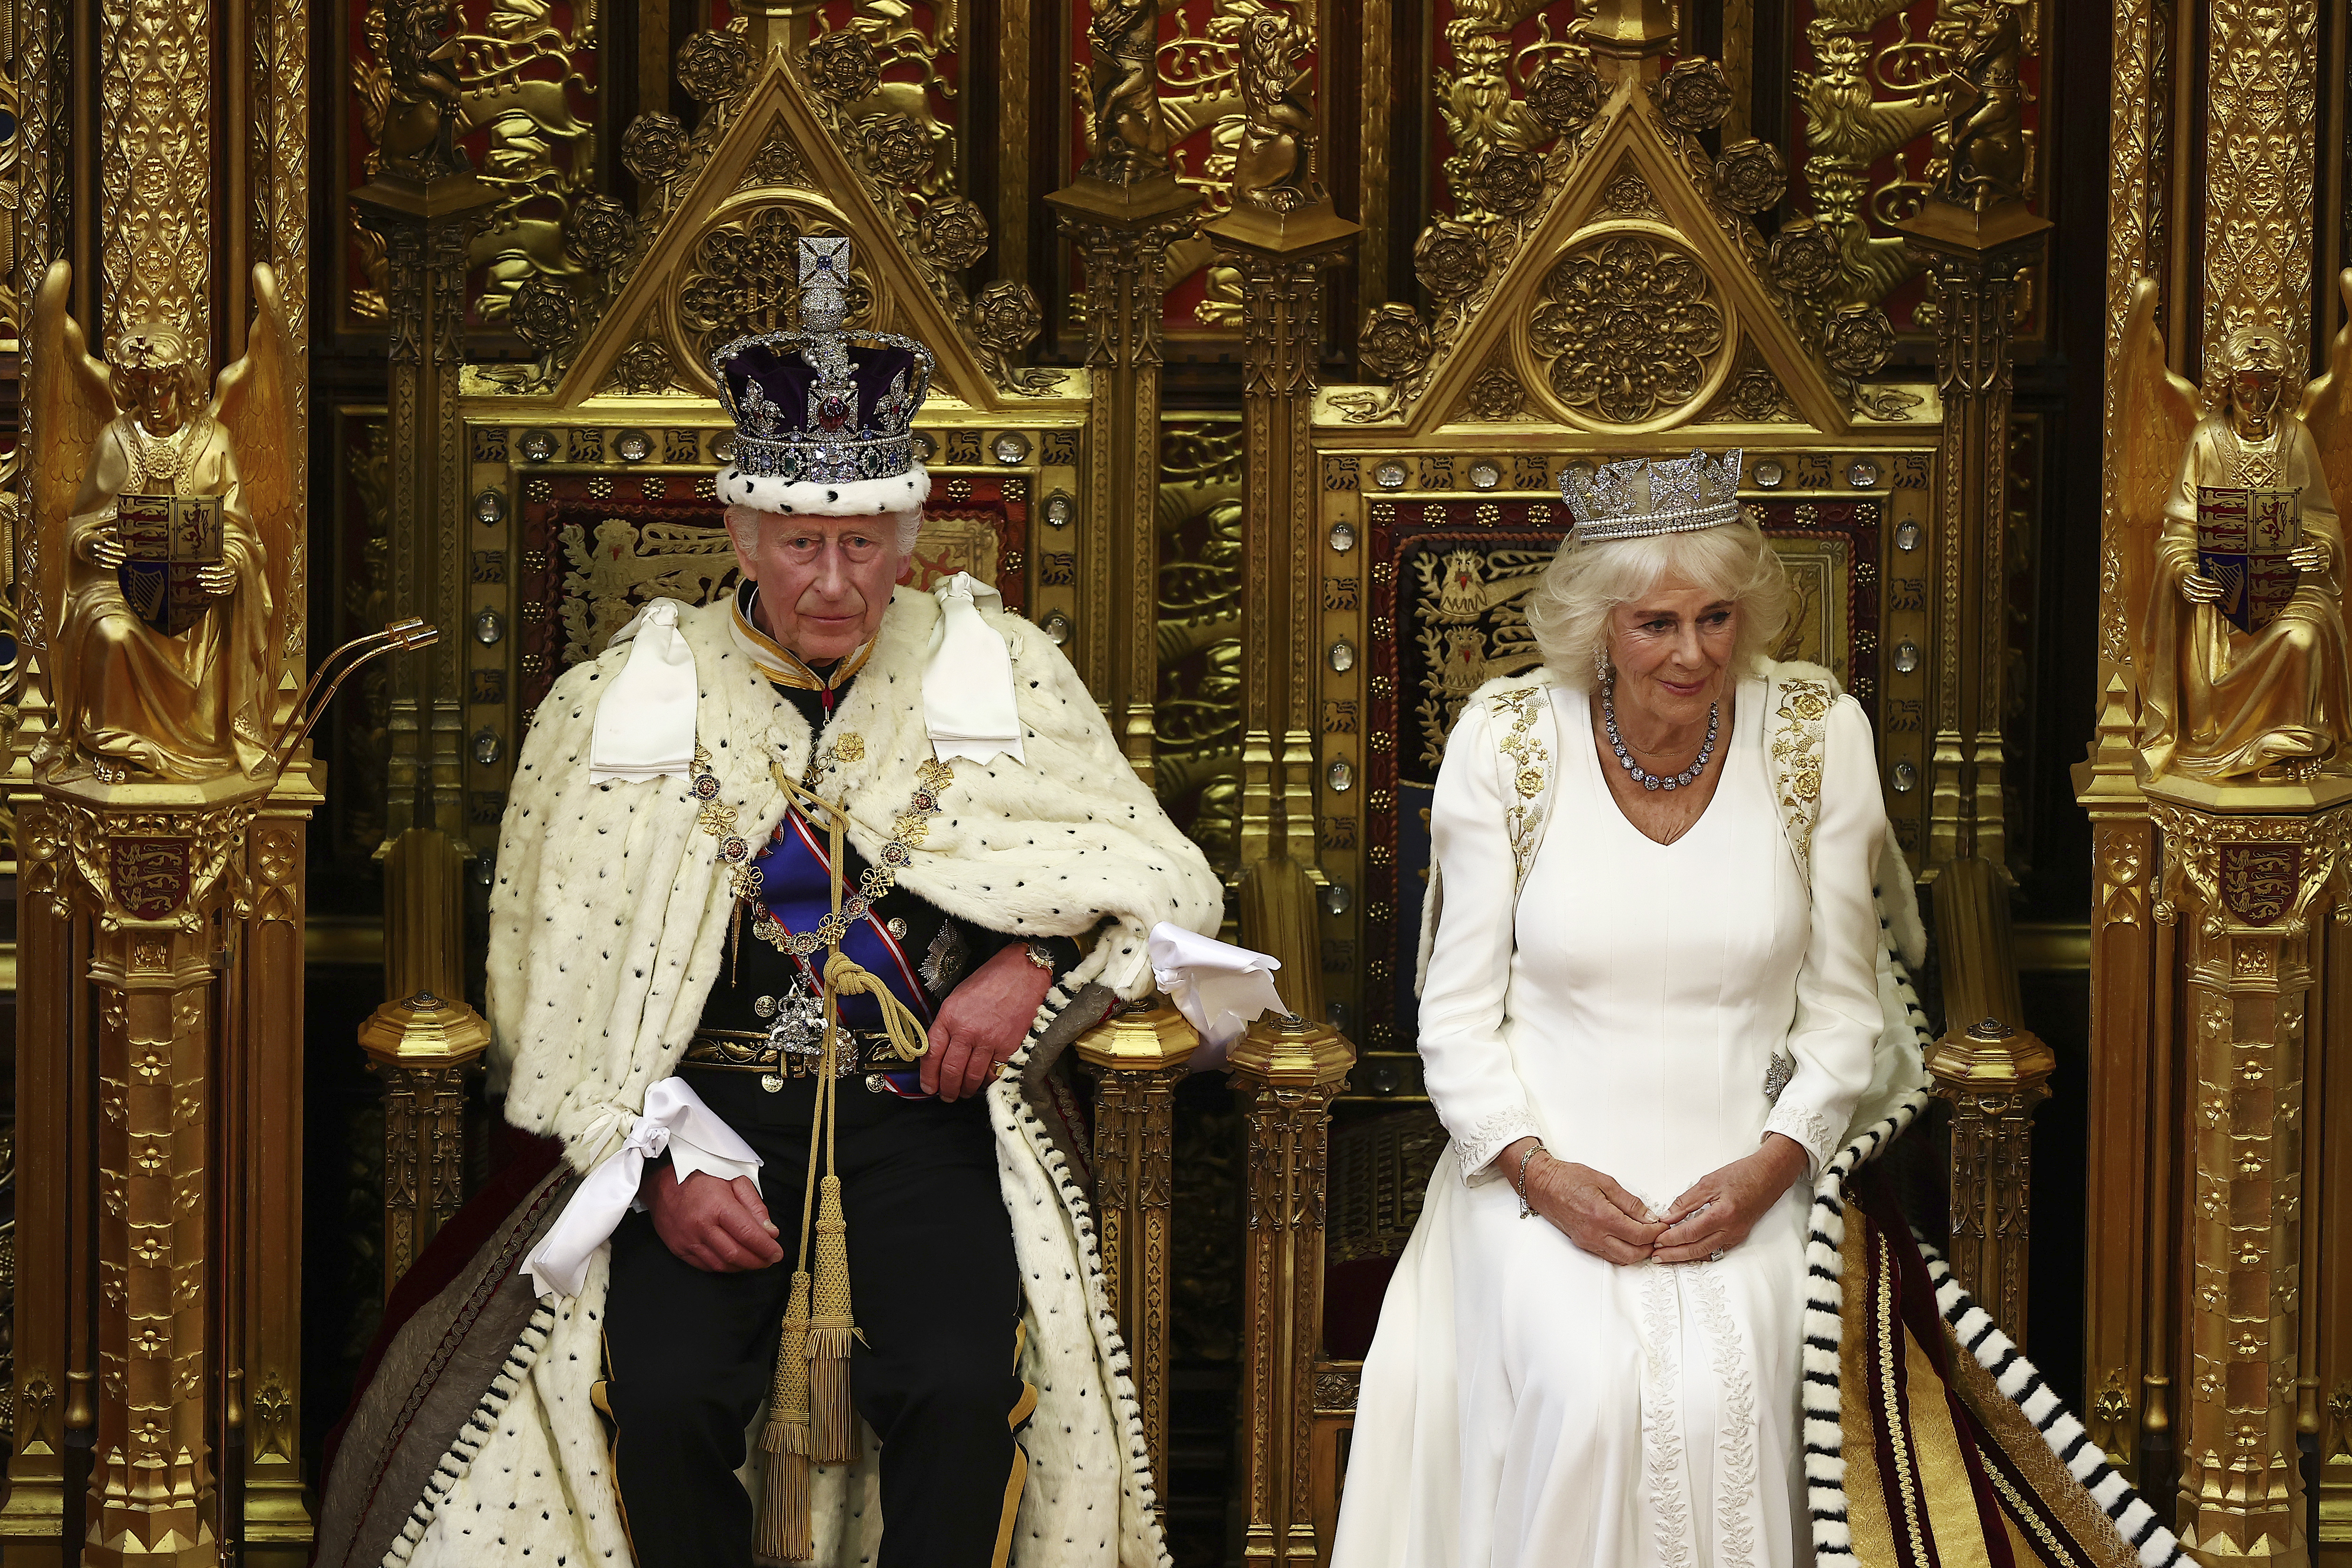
{"points": [[800, 897]]}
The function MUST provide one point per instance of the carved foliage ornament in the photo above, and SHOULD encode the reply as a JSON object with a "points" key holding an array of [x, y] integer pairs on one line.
{"points": [[1631, 326], [744, 278]]}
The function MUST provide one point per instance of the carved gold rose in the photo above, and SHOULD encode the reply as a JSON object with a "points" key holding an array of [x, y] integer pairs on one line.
{"points": [[1450, 260], [843, 66], [1006, 317], [654, 147], [642, 369], [1507, 180], [714, 65], [543, 313], [955, 233], [1803, 258], [1630, 326], [1694, 96], [1394, 342], [1496, 395], [897, 151], [1857, 339], [1751, 176], [1565, 92], [597, 233]]}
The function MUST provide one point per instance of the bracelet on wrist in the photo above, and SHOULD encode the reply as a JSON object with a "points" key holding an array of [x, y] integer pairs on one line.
{"points": [[1521, 1185]]}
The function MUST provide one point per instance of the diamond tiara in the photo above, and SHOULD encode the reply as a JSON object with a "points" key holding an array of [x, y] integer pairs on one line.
{"points": [[1641, 497]]}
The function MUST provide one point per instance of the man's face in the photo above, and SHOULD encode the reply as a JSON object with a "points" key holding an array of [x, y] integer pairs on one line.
{"points": [[156, 395], [823, 581]]}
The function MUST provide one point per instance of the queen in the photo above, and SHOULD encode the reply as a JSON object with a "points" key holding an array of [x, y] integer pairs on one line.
{"points": [[1649, 1010]]}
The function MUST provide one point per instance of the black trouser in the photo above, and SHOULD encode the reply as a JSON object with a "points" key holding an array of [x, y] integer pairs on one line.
{"points": [[690, 1355]]}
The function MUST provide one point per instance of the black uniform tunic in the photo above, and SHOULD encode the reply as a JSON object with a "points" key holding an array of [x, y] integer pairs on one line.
{"points": [[935, 1292]]}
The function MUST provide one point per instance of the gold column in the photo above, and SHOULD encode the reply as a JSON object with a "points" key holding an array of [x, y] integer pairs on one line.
{"points": [[1280, 233], [2242, 884], [424, 1038], [49, 1341], [1993, 1076], [2127, 1280], [1122, 211], [263, 1176], [1285, 1074], [1975, 256], [1141, 1052], [424, 1042], [157, 876]]}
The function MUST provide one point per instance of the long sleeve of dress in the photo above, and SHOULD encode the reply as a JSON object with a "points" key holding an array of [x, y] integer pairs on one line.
{"points": [[1838, 1016], [1465, 1065]]}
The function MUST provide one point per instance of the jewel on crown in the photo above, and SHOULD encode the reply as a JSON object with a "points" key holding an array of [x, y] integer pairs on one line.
{"points": [[1644, 496]]}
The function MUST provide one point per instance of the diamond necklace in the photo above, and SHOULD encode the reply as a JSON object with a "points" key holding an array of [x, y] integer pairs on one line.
{"points": [[1646, 779]]}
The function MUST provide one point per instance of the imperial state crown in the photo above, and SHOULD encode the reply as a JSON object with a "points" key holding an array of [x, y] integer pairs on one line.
{"points": [[824, 416]]}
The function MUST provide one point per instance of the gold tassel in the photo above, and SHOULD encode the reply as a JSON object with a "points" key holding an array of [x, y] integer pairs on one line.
{"points": [[831, 1329], [785, 1532]]}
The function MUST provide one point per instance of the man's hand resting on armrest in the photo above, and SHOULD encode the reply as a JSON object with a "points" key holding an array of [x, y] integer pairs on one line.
{"points": [[718, 1227], [983, 1022]]}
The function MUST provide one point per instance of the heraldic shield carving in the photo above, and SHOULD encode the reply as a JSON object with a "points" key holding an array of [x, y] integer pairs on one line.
{"points": [[2245, 542], [166, 541], [2259, 880]]}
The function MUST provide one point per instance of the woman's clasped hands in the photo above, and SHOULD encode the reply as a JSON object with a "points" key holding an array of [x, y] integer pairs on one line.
{"points": [[1593, 1209]]}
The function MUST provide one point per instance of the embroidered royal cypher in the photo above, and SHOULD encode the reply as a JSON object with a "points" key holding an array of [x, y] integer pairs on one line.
{"points": [[166, 540], [2242, 540]]}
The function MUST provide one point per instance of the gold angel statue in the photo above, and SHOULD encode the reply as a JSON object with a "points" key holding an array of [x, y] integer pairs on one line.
{"points": [[167, 527], [2233, 557]]}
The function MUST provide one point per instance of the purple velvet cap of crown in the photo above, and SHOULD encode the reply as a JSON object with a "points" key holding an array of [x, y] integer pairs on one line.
{"points": [[785, 379]]}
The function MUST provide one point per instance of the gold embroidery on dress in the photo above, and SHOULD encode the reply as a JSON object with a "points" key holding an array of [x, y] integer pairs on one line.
{"points": [[1523, 817], [1796, 763]]}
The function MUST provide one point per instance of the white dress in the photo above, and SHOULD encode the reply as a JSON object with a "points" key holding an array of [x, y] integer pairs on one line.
{"points": [[1527, 1404]]}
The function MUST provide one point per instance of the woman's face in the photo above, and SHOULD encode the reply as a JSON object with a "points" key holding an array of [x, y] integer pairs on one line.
{"points": [[1672, 646]]}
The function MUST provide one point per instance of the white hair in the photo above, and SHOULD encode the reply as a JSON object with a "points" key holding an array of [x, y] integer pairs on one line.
{"points": [[746, 521], [1570, 609]]}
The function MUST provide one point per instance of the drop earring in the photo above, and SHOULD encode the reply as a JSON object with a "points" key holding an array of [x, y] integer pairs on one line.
{"points": [[1600, 664]]}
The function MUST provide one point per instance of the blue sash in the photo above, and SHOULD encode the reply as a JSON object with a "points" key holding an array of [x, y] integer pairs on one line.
{"points": [[796, 884]]}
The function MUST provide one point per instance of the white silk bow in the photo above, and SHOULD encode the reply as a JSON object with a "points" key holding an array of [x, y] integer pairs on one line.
{"points": [[674, 1120], [968, 703], [645, 724]]}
